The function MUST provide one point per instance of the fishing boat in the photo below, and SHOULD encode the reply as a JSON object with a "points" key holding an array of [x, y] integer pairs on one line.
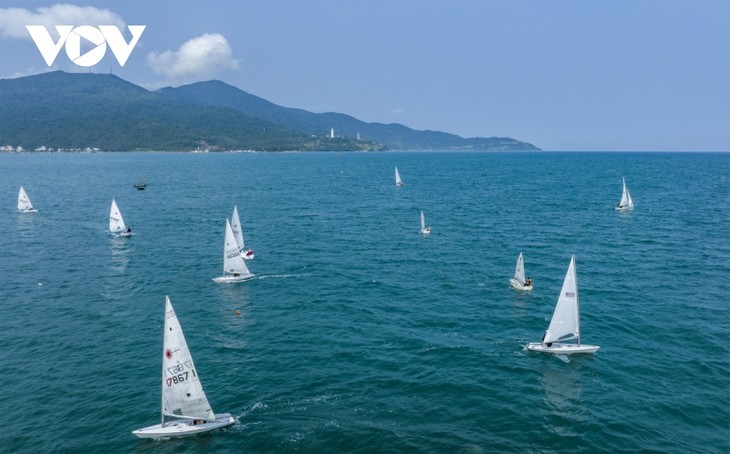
{"points": [[238, 234], [398, 181], [24, 205], [426, 230], [519, 282], [563, 335], [185, 409], [234, 268], [117, 227], [626, 202]]}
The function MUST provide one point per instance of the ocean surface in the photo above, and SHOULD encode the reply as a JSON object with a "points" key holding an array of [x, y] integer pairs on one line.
{"points": [[359, 334]]}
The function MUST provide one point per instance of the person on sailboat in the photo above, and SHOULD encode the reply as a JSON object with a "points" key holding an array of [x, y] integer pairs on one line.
{"points": [[129, 229], [249, 252], [528, 282]]}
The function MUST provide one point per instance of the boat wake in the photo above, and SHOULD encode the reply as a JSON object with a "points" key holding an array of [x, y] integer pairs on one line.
{"points": [[281, 276], [563, 358]]}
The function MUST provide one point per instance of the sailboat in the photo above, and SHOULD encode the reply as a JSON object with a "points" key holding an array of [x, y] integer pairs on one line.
{"points": [[238, 234], [234, 268], [424, 229], [626, 202], [519, 281], [565, 324], [117, 226], [183, 398], [24, 205], [398, 181]]}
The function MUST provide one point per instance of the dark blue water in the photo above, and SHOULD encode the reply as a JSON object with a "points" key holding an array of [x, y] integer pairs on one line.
{"points": [[359, 334]]}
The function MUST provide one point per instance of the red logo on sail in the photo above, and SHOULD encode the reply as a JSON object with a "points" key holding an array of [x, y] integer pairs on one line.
{"points": [[168, 353]]}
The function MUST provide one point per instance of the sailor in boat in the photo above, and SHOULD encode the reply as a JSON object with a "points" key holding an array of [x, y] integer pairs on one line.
{"points": [[528, 282], [129, 229], [249, 252]]}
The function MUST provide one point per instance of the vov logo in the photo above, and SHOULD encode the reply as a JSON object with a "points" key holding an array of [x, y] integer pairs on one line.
{"points": [[98, 36]]}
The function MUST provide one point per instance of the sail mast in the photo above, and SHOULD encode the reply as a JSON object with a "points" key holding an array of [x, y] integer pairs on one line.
{"points": [[162, 384], [577, 300]]}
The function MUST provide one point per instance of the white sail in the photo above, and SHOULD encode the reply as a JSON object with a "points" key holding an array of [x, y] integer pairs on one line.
{"points": [[426, 230], [116, 221], [565, 324], [398, 181], [520, 269], [237, 229], [626, 202], [629, 201], [182, 392], [24, 201], [232, 261]]}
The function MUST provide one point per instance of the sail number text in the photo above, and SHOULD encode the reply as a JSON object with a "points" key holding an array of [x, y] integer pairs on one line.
{"points": [[179, 373]]}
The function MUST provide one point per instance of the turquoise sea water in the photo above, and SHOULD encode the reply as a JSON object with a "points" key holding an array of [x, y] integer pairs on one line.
{"points": [[359, 334]]}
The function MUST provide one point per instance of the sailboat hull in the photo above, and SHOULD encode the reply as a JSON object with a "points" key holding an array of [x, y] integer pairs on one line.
{"points": [[32, 210], [184, 427], [558, 348], [519, 285], [232, 279]]}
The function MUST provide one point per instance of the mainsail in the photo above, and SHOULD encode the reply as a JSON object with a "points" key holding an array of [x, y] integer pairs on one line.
{"points": [[398, 181], [520, 269], [626, 201], [565, 324], [24, 201], [116, 221], [237, 229], [232, 261], [182, 391]]}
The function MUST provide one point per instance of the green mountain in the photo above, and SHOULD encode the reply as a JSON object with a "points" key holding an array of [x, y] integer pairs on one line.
{"points": [[63, 110], [393, 136], [79, 110]]}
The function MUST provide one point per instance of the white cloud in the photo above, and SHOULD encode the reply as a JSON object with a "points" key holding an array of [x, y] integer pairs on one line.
{"points": [[14, 20], [398, 111], [199, 58]]}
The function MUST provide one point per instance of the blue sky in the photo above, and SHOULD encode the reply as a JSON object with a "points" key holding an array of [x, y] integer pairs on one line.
{"points": [[561, 74]]}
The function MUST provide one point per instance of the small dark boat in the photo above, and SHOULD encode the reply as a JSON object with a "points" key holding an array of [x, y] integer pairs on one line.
{"points": [[140, 186]]}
